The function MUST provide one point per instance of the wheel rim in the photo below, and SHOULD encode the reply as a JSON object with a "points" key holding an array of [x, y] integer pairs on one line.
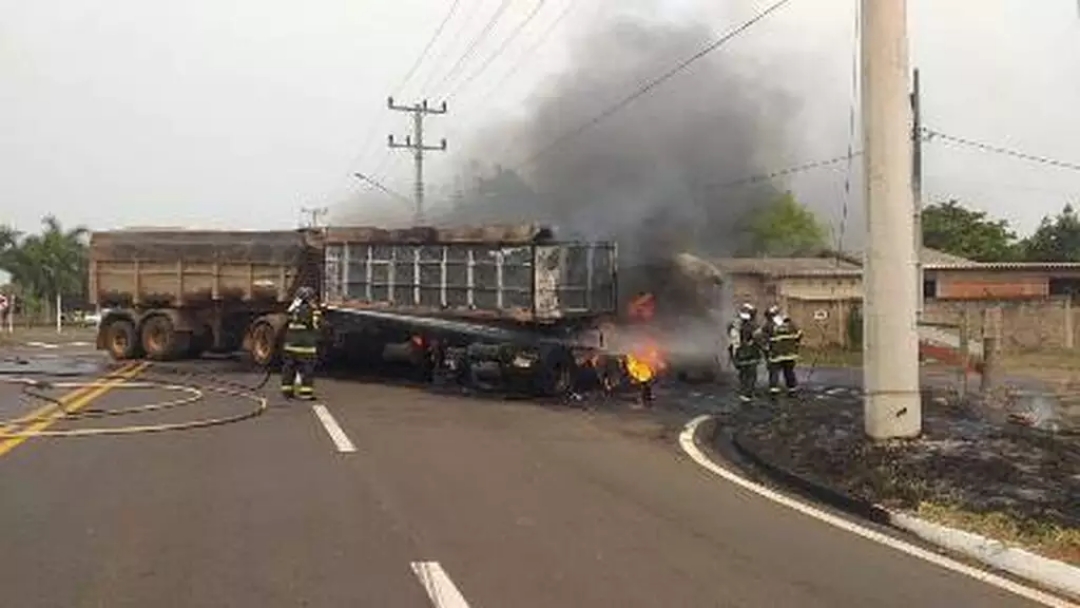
{"points": [[262, 347], [156, 338], [119, 341]]}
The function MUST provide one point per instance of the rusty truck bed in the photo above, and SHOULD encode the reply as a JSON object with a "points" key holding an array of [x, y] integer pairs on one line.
{"points": [[189, 268]]}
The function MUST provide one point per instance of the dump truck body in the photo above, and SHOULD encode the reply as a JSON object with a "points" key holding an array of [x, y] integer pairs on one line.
{"points": [[490, 301], [180, 292], [517, 274]]}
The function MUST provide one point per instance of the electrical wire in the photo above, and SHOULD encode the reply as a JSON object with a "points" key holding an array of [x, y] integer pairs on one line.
{"points": [[427, 47], [530, 52], [655, 82], [369, 137], [466, 18], [931, 135], [499, 51], [475, 42], [855, 58], [764, 177]]}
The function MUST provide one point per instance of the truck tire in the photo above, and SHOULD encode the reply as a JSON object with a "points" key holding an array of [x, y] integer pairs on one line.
{"points": [[264, 344], [160, 340], [557, 375], [121, 340], [199, 343]]}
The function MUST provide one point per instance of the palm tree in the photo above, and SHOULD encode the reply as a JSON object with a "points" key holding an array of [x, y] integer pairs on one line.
{"points": [[47, 265]]}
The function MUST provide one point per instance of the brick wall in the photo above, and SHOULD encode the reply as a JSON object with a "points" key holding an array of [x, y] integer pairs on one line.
{"points": [[981, 284]]}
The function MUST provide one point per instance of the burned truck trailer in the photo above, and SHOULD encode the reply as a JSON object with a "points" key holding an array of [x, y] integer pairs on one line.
{"points": [[499, 304], [171, 294], [486, 302]]}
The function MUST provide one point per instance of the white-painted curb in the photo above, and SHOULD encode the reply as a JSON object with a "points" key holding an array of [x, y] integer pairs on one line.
{"points": [[1050, 573], [1063, 578]]}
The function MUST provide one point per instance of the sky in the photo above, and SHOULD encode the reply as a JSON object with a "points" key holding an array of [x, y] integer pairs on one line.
{"points": [[239, 113]]}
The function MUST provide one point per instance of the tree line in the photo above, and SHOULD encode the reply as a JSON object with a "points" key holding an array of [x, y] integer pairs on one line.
{"points": [[54, 260], [786, 228], [955, 229], [44, 265]]}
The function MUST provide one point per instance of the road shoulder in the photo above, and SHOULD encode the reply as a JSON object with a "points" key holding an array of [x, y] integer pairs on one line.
{"points": [[707, 432]]}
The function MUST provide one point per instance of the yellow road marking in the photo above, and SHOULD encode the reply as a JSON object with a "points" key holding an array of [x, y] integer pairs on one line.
{"points": [[50, 407], [80, 401]]}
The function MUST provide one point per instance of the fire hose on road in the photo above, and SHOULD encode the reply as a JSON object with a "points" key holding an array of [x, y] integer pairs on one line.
{"points": [[192, 394]]}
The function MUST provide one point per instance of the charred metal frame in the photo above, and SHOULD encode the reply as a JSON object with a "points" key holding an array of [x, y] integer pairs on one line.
{"points": [[523, 281]]}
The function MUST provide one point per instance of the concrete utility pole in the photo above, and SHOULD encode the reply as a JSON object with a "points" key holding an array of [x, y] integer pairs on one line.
{"points": [[892, 406], [416, 144], [313, 214], [916, 187]]}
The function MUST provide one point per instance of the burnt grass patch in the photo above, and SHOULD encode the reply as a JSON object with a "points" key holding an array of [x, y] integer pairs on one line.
{"points": [[1021, 483]]}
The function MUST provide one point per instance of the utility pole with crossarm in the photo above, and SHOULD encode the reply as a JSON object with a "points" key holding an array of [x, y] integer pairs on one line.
{"points": [[416, 144]]}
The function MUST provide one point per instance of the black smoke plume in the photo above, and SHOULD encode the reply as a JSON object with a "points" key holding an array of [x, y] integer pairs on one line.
{"points": [[650, 176]]}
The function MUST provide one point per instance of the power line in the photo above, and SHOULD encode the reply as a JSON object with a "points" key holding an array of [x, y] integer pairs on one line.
{"points": [[466, 19], [1045, 160], [369, 136], [656, 81], [427, 47], [499, 51], [475, 42], [530, 52], [512, 70], [764, 177], [856, 32]]}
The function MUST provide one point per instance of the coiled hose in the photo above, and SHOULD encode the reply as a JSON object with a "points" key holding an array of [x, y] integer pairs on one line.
{"points": [[196, 386]]}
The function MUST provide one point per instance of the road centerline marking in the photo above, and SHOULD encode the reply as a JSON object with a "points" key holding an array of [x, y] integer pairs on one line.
{"points": [[337, 434], [440, 589], [49, 407], [74, 405]]}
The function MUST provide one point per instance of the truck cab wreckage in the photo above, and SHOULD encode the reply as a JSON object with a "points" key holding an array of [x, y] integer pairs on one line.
{"points": [[486, 306]]}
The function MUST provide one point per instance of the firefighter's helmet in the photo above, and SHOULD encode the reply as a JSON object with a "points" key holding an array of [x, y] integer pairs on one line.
{"points": [[747, 311]]}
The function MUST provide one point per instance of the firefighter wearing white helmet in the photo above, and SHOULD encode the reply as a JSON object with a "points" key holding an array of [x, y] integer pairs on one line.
{"points": [[782, 338], [745, 349]]}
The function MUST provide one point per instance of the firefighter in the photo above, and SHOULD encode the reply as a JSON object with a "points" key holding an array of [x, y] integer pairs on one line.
{"points": [[301, 346], [745, 350], [783, 338]]}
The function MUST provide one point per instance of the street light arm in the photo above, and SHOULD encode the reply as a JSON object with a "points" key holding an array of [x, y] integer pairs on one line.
{"points": [[380, 186]]}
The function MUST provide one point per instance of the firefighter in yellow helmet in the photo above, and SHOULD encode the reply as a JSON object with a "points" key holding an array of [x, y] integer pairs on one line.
{"points": [[300, 352]]}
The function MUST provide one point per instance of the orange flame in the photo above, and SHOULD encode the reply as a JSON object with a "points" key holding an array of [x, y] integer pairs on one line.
{"points": [[643, 364]]}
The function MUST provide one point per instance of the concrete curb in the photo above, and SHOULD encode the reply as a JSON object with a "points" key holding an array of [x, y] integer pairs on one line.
{"points": [[1049, 573]]}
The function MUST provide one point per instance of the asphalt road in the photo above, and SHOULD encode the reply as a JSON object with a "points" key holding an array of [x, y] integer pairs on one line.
{"points": [[520, 505]]}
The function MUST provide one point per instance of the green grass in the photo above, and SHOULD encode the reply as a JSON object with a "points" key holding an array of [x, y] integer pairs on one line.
{"points": [[46, 334], [831, 357], [1036, 536]]}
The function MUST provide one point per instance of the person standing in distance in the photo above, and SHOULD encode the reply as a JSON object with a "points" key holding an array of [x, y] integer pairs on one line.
{"points": [[301, 350]]}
